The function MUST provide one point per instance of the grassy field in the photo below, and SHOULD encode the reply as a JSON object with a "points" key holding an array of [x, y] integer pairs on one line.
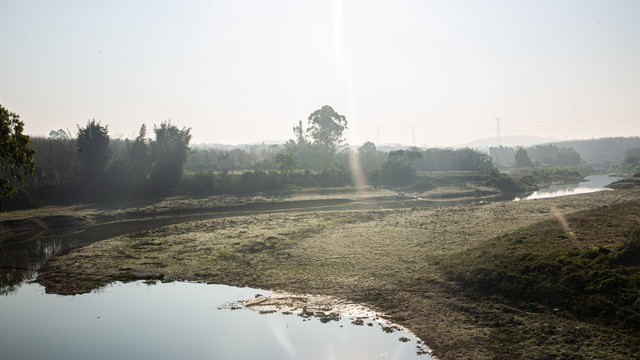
{"points": [[415, 263]]}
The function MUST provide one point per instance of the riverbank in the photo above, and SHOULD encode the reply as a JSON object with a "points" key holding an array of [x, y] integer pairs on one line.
{"points": [[387, 259]]}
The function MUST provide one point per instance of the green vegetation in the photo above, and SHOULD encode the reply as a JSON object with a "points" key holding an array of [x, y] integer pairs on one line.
{"points": [[533, 178], [631, 163], [16, 157], [287, 162], [522, 159], [601, 283], [627, 183], [95, 167], [548, 155], [586, 271], [603, 153]]}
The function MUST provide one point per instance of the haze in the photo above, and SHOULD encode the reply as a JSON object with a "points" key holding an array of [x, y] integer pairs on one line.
{"points": [[431, 73]]}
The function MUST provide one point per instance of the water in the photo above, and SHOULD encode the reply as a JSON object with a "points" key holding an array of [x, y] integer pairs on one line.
{"points": [[592, 183], [178, 320]]}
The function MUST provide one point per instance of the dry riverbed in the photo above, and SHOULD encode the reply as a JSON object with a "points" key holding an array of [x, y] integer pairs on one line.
{"points": [[385, 259]]}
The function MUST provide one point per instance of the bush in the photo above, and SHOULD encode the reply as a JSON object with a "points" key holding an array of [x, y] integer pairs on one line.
{"points": [[598, 283]]}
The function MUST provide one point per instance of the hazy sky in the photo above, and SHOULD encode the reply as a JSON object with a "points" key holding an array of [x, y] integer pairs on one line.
{"points": [[246, 71]]}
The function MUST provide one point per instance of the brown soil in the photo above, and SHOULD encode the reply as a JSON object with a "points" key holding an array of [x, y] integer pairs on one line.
{"points": [[374, 252]]}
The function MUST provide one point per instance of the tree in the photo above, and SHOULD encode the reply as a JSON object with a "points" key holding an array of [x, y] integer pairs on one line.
{"points": [[299, 134], [94, 150], [326, 128], [396, 171], [407, 156], [522, 158], [139, 157], [16, 157], [169, 154], [286, 162], [59, 134]]}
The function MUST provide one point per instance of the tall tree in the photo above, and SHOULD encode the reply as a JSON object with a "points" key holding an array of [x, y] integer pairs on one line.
{"points": [[16, 157], [139, 156], [326, 128], [522, 158], [169, 154], [94, 150]]}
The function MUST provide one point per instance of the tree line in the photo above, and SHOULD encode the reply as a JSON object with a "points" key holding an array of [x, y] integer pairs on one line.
{"points": [[548, 155], [93, 166]]}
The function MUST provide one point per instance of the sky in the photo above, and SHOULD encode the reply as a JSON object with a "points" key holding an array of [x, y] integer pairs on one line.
{"points": [[417, 72]]}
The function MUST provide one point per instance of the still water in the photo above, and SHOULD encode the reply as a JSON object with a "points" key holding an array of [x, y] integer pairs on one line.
{"points": [[179, 320], [592, 183]]}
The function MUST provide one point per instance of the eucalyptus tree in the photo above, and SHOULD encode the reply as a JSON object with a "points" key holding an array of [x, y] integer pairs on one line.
{"points": [[326, 129]]}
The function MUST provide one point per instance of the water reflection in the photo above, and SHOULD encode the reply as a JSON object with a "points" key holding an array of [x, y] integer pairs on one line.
{"points": [[22, 256], [179, 320], [592, 183]]}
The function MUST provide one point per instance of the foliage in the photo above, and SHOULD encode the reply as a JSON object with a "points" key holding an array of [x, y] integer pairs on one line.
{"points": [[287, 162], [605, 151], [59, 134], [57, 167], [501, 181], [369, 156], [630, 164], [533, 178], [258, 181], [452, 160], [552, 155], [530, 266], [240, 158], [139, 157], [16, 157], [407, 156], [397, 172], [326, 128], [94, 150], [169, 154], [522, 159]]}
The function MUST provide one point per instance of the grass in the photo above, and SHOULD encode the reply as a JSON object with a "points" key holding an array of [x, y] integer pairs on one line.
{"points": [[590, 278]]}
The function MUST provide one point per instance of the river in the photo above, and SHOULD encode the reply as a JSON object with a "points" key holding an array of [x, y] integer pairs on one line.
{"points": [[592, 183]]}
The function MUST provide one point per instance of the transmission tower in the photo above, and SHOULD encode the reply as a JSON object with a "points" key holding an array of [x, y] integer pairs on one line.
{"points": [[498, 137]]}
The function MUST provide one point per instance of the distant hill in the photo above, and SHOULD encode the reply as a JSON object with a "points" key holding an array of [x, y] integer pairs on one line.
{"points": [[602, 152], [509, 141]]}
